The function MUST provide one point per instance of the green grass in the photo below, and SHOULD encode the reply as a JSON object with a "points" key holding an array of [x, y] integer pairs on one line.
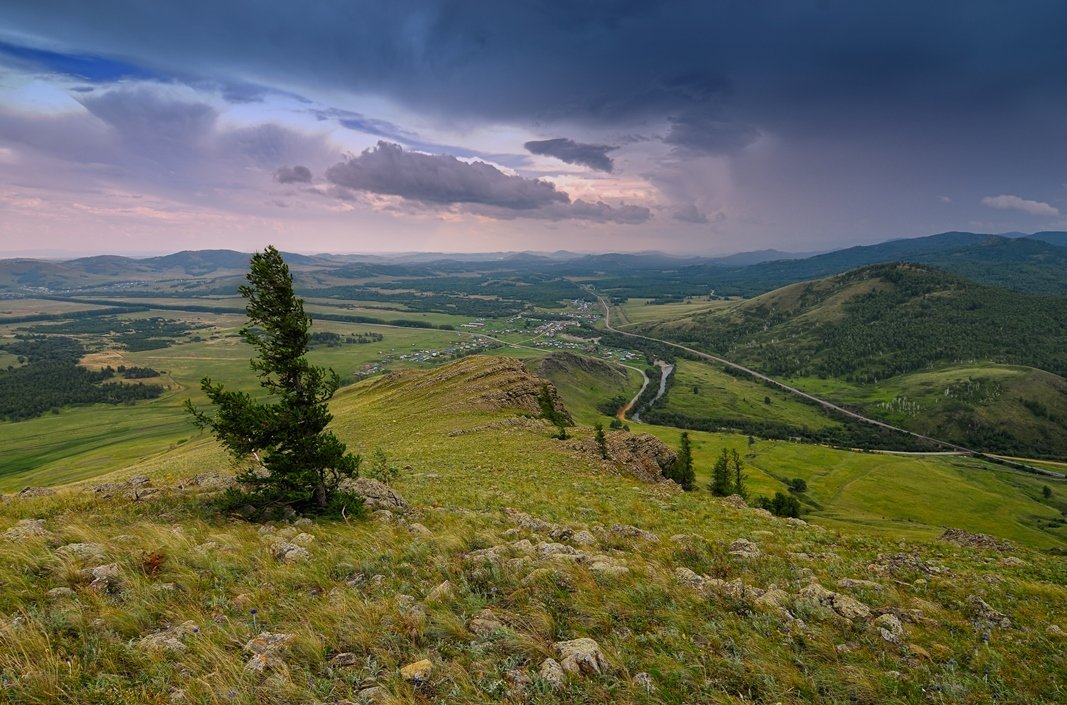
{"points": [[703, 391], [966, 403], [636, 311], [346, 597]]}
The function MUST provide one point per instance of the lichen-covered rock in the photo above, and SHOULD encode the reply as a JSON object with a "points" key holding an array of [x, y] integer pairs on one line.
{"points": [[103, 578], [583, 538], [28, 529], [289, 552], [983, 612], [859, 583], [967, 538], [743, 548], [30, 492], [81, 551], [172, 640], [267, 642], [633, 532], [376, 495], [736, 501], [484, 623], [552, 673], [687, 577], [843, 605], [345, 659], [774, 600], [889, 627], [418, 672], [581, 656], [607, 567], [208, 482], [442, 592]]}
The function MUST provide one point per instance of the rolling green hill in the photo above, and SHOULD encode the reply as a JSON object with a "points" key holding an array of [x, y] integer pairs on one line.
{"points": [[923, 348]]}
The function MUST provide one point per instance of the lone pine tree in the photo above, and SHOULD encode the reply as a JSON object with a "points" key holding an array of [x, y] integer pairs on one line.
{"points": [[298, 462]]}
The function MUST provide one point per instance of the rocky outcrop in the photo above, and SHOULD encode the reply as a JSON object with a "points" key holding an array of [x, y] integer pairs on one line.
{"points": [[966, 538], [641, 455]]}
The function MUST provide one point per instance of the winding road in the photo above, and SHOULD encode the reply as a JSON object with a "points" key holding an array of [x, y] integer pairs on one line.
{"points": [[830, 406]]}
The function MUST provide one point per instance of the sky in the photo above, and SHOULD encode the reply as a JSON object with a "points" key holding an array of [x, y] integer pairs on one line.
{"points": [[704, 127]]}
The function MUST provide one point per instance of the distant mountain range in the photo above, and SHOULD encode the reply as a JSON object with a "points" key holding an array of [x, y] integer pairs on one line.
{"points": [[1035, 263]]}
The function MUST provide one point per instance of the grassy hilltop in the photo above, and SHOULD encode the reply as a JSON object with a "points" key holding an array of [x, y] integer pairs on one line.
{"points": [[512, 542]]}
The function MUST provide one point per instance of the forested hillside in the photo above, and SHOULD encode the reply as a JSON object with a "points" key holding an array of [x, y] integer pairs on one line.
{"points": [[882, 321]]}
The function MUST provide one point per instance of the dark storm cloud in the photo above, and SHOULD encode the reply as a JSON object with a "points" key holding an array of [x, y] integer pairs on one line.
{"points": [[293, 175], [594, 156], [608, 62], [439, 178], [443, 180]]}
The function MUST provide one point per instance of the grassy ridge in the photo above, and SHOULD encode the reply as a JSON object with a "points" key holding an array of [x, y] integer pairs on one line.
{"points": [[365, 587]]}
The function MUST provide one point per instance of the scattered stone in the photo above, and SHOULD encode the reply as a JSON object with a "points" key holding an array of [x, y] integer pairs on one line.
{"points": [[345, 659], [28, 529], [681, 538], [583, 538], [376, 495], [419, 529], [418, 672], [736, 501], [552, 550], [581, 656], [552, 673], [857, 583], [688, 578], [303, 539], [30, 492], [484, 623], [743, 548], [82, 551], [984, 613], [440, 593], [267, 642], [302, 521], [59, 593], [608, 567], [103, 578], [523, 546], [644, 680], [164, 587], [775, 600], [967, 538], [260, 663], [208, 482], [172, 640], [1012, 562], [382, 515], [890, 628], [177, 697], [633, 532], [843, 605], [518, 680], [901, 562], [795, 521], [373, 694], [289, 552], [799, 556], [530, 523], [1054, 630]]}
